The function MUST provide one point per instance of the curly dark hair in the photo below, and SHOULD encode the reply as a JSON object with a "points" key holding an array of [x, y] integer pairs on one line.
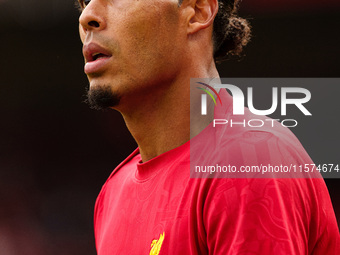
{"points": [[231, 33]]}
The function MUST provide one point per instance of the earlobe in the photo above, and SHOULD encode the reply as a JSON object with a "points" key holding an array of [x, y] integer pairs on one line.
{"points": [[203, 15]]}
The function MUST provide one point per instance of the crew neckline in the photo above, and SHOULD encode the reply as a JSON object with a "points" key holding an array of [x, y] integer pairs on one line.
{"points": [[164, 161]]}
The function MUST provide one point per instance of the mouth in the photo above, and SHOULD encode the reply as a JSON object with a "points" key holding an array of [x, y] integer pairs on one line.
{"points": [[96, 58], [98, 55]]}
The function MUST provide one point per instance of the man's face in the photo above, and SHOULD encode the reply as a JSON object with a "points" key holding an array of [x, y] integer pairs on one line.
{"points": [[131, 46]]}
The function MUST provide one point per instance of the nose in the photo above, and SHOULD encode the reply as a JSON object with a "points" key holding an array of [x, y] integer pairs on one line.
{"points": [[92, 17]]}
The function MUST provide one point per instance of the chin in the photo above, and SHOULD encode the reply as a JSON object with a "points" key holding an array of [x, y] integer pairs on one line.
{"points": [[101, 97]]}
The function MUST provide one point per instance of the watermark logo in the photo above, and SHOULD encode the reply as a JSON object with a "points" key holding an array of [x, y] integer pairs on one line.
{"points": [[204, 97], [239, 102]]}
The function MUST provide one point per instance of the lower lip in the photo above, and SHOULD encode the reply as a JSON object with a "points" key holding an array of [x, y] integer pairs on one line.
{"points": [[95, 66]]}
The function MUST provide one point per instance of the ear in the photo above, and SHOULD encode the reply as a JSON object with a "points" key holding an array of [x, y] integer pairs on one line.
{"points": [[202, 14]]}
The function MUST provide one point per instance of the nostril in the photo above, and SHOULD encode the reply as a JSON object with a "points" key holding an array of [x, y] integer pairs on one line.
{"points": [[93, 23]]}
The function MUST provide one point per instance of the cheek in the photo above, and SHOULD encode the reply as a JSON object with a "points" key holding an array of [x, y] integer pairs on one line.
{"points": [[151, 30]]}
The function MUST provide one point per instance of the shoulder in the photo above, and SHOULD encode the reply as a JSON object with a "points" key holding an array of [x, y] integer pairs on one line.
{"points": [[249, 150], [286, 216]]}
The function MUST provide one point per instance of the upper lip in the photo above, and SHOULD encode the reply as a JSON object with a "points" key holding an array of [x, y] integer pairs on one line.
{"points": [[92, 49]]}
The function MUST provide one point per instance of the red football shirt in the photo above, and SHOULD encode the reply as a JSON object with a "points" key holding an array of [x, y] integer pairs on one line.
{"points": [[156, 208]]}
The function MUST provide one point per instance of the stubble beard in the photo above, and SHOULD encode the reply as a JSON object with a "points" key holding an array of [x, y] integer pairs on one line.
{"points": [[101, 97]]}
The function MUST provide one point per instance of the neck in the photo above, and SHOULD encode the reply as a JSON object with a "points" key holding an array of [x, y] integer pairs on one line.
{"points": [[162, 122]]}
